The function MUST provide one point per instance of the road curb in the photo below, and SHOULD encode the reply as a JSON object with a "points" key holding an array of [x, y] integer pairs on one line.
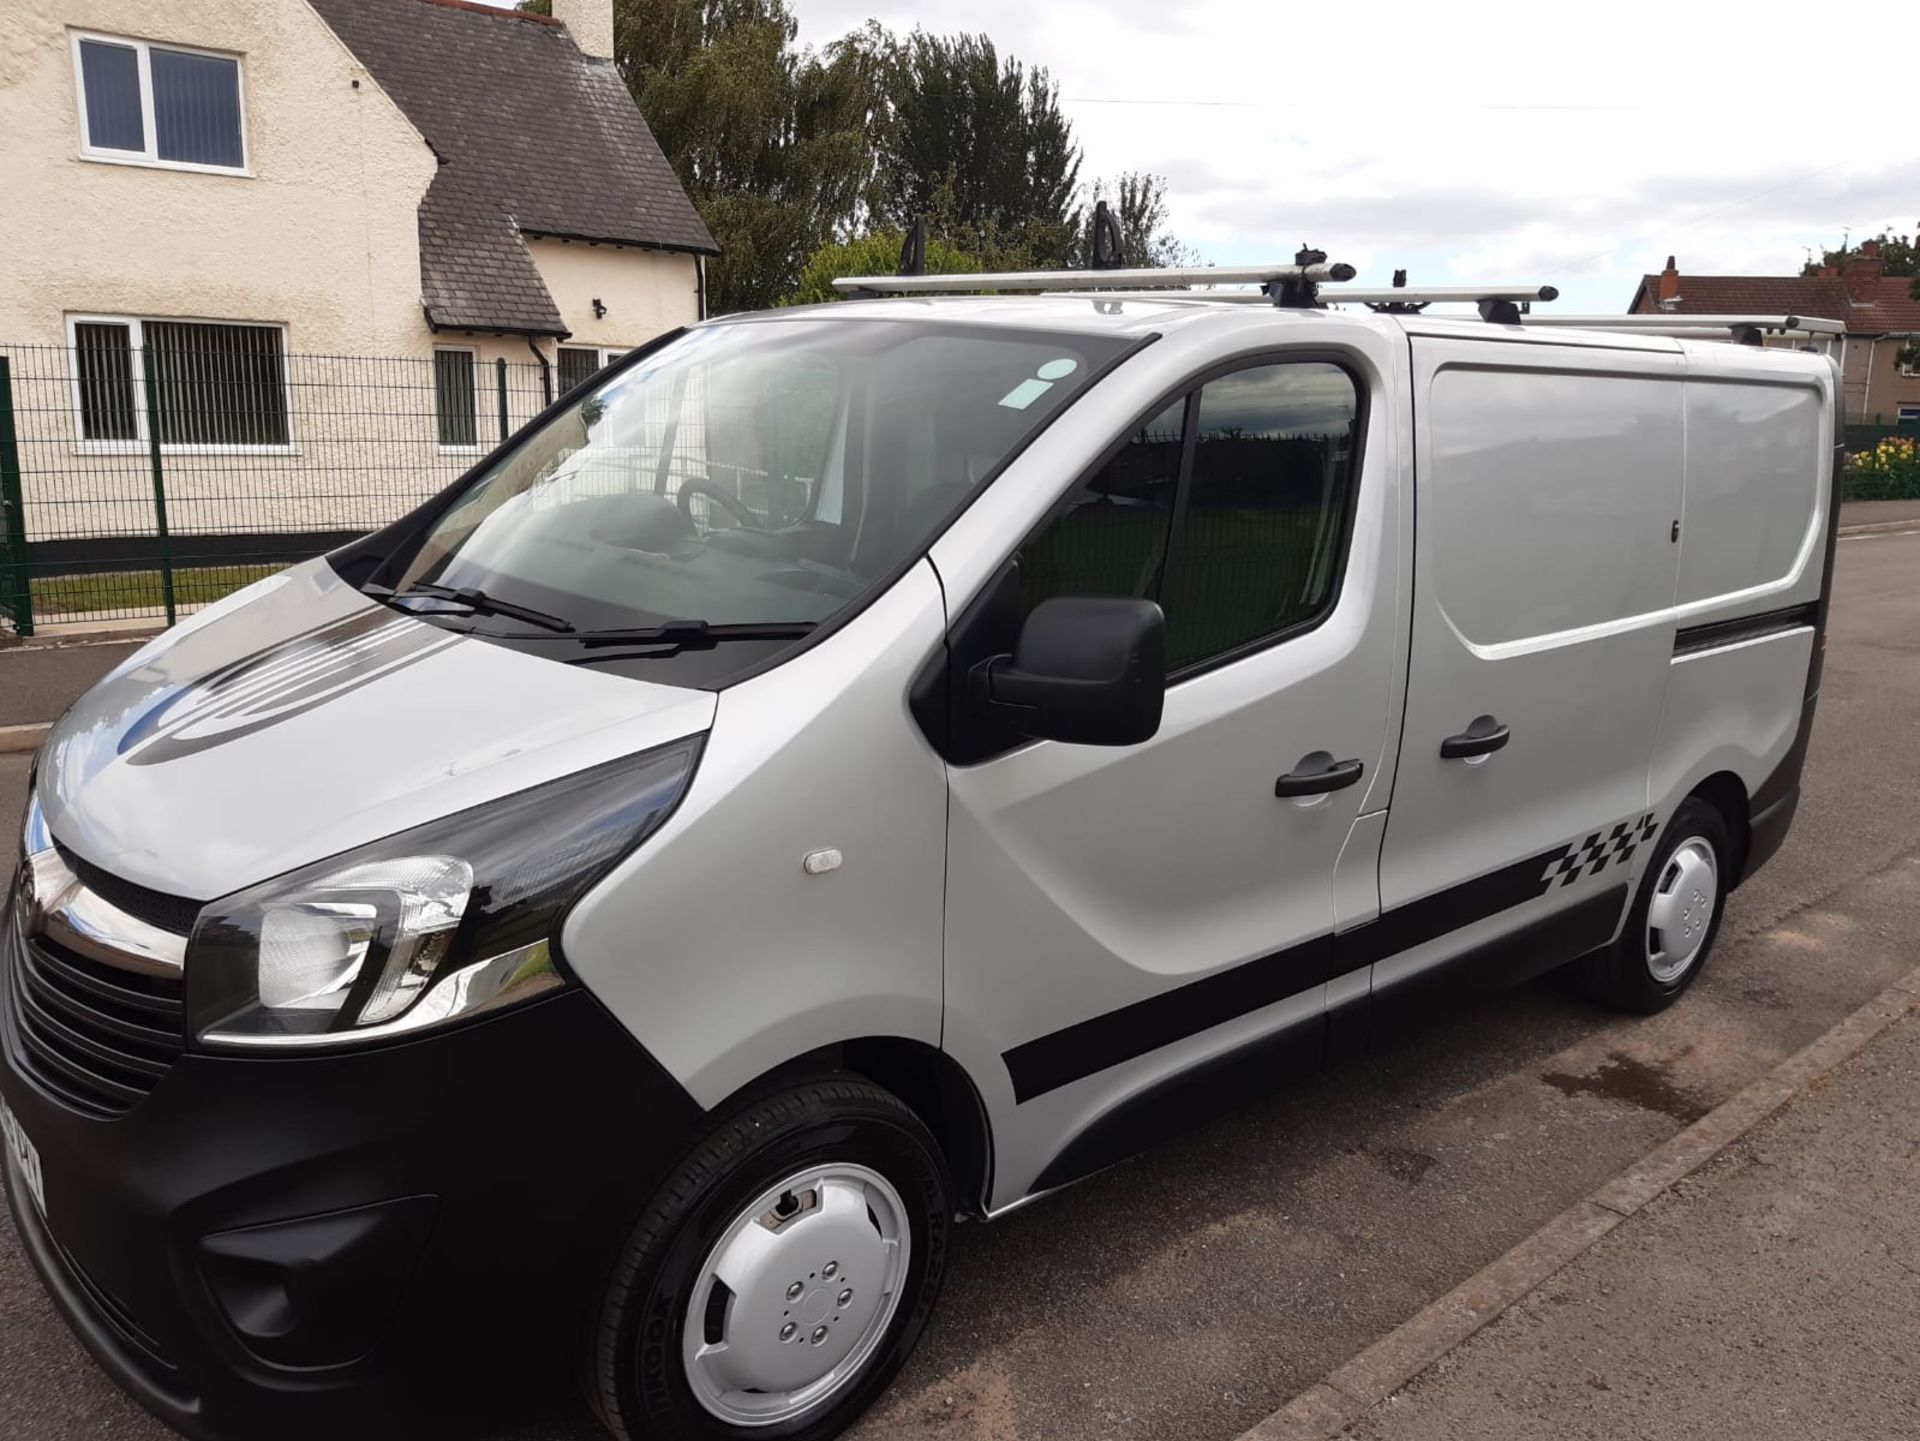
{"points": [[1881, 527], [15, 739], [1325, 1410]]}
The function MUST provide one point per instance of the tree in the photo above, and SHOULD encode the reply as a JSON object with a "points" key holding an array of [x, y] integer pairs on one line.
{"points": [[980, 143], [1138, 201], [779, 148], [875, 254], [1898, 256]]}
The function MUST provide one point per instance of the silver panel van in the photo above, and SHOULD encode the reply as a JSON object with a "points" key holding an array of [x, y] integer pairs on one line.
{"points": [[845, 770]]}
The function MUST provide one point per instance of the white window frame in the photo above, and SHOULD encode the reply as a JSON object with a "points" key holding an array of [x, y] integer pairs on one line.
{"points": [[136, 338], [1911, 370], [1906, 414], [150, 157], [479, 447]]}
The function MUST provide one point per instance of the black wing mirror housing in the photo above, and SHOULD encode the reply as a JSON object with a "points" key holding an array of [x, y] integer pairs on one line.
{"points": [[1086, 671]]}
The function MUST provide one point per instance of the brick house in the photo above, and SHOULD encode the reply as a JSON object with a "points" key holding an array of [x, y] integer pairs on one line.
{"points": [[1881, 317]]}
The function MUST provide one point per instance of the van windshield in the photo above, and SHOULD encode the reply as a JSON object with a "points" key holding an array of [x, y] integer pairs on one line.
{"points": [[766, 473]]}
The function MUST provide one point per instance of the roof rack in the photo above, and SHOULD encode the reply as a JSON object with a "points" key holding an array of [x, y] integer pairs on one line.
{"points": [[1299, 280]]}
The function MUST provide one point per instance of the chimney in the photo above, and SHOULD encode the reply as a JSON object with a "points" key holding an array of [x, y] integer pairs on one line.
{"points": [[590, 23], [1669, 283], [1861, 272]]}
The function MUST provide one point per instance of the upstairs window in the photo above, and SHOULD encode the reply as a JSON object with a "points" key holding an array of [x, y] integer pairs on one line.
{"points": [[148, 104]]}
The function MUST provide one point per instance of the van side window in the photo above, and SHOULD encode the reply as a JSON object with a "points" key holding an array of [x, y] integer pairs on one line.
{"points": [[1112, 538], [1247, 543], [1258, 541]]}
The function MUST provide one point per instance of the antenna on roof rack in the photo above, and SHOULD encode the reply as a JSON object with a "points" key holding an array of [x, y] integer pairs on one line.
{"points": [[1109, 252], [913, 250]]}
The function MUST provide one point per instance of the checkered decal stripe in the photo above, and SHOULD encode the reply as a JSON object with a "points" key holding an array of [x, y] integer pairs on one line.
{"points": [[1598, 851]]}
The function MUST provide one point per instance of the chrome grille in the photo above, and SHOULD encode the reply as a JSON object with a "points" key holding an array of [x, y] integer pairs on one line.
{"points": [[93, 1036]]}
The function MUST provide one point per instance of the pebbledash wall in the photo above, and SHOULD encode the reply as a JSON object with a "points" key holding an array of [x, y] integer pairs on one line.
{"points": [[318, 236]]}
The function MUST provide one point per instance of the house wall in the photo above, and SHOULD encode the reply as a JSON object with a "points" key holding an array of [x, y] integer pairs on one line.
{"points": [[1889, 389], [322, 235], [644, 291]]}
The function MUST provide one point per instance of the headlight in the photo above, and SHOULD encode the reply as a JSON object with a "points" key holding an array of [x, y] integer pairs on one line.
{"points": [[450, 919]]}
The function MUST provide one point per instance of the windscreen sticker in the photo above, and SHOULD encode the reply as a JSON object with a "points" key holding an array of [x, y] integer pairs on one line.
{"points": [[1028, 391]]}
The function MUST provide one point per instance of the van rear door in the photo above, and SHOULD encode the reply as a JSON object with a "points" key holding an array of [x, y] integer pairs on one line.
{"points": [[1547, 500]]}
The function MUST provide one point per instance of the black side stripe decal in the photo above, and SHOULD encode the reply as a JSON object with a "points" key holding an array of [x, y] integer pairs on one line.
{"points": [[1079, 1050], [1074, 1052], [1690, 640]]}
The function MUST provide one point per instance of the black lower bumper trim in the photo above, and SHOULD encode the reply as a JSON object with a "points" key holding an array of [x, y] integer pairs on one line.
{"points": [[470, 1189]]}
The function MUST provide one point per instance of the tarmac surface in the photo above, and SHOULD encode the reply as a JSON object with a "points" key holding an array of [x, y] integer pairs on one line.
{"points": [[1188, 1293]]}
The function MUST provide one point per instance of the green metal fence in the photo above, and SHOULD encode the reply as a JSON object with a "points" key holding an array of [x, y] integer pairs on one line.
{"points": [[140, 481]]}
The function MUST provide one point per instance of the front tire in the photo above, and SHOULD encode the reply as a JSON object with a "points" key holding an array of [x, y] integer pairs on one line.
{"points": [[1675, 915], [781, 1276]]}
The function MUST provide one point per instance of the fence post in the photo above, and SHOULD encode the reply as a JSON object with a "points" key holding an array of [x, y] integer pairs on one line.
{"points": [[500, 373], [159, 482], [17, 590]]}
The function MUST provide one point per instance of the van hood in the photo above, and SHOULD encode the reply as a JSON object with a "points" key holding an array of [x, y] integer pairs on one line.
{"points": [[299, 718]]}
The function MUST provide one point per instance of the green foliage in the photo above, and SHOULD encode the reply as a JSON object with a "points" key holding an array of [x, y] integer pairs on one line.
{"points": [[980, 144], [778, 147], [874, 254], [1890, 471], [799, 159], [1898, 256]]}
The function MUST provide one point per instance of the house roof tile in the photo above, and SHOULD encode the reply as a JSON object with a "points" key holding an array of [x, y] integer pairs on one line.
{"points": [[533, 138], [1888, 309]]}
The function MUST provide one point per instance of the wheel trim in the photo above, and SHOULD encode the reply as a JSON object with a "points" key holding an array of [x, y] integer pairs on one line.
{"points": [[1682, 909], [797, 1295]]}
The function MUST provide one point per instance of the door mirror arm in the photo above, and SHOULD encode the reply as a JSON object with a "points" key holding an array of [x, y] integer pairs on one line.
{"points": [[1083, 671]]}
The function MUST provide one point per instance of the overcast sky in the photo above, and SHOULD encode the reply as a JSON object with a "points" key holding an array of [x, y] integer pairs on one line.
{"points": [[1575, 145]]}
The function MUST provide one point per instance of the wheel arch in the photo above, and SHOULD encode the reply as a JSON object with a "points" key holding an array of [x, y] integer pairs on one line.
{"points": [[1727, 793], [933, 1085]]}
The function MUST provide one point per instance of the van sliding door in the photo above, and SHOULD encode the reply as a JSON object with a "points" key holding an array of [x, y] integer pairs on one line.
{"points": [[1547, 501]]}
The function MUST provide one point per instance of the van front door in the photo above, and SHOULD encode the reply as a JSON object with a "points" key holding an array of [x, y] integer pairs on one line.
{"points": [[1547, 504], [1117, 916]]}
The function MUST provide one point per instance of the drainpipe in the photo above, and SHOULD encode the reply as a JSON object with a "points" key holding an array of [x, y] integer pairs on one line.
{"points": [[546, 371], [700, 284], [1866, 391]]}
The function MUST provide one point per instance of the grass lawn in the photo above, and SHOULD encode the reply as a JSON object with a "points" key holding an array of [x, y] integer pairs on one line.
{"points": [[125, 590]]}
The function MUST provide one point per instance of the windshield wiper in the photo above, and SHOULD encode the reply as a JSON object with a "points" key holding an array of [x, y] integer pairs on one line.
{"points": [[477, 601], [650, 642], [695, 633]]}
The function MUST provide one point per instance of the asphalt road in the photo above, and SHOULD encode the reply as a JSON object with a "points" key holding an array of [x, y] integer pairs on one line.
{"points": [[1189, 1292]]}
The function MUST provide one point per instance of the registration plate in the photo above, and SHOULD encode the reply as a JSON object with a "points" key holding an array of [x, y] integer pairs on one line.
{"points": [[25, 1158]]}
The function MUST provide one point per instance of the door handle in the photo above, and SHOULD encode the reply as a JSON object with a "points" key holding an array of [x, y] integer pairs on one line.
{"points": [[1482, 738], [1318, 773]]}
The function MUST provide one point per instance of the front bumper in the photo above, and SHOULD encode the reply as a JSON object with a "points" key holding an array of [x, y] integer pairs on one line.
{"points": [[374, 1242]]}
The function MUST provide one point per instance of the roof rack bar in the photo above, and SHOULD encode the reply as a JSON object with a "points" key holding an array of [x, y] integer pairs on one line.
{"points": [[1442, 294], [1673, 322], [1168, 278]]}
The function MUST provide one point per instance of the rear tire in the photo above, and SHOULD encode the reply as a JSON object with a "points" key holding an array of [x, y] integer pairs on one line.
{"points": [[827, 1205], [1675, 916]]}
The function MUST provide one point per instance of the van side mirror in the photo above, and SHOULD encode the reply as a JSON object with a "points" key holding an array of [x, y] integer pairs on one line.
{"points": [[1083, 670]]}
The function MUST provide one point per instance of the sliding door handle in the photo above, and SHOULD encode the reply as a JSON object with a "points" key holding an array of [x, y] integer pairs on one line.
{"points": [[1317, 774], [1485, 736]]}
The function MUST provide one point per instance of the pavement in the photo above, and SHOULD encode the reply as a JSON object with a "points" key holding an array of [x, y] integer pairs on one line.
{"points": [[1195, 1290], [1770, 1296]]}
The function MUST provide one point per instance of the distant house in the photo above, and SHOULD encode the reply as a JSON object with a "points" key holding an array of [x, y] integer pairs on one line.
{"points": [[1881, 317], [415, 178]]}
